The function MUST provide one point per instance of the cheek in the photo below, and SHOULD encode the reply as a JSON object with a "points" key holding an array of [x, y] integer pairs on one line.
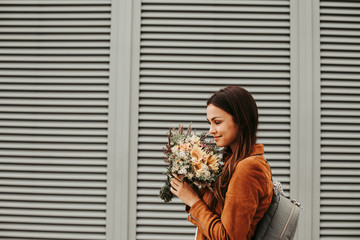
{"points": [[233, 132]]}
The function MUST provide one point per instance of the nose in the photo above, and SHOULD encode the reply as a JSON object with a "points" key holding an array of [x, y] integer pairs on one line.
{"points": [[212, 130]]}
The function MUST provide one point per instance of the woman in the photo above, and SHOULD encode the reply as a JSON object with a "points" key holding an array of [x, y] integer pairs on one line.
{"points": [[243, 192]]}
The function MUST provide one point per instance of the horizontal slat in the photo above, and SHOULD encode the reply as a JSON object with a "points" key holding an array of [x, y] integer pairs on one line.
{"points": [[346, 203], [53, 139], [339, 25], [339, 4], [273, 53], [340, 172], [55, 72], [341, 112], [191, 81], [52, 198], [342, 187], [339, 32], [345, 69], [334, 39], [52, 94], [53, 116], [343, 142], [341, 232], [214, 15], [214, 3], [335, 178], [21, 130], [340, 149], [54, 161], [210, 37], [268, 22], [337, 46], [208, 89], [148, 236], [53, 29], [166, 229], [340, 217], [213, 30], [340, 210], [58, 8], [165, 222], [339, 18], [50, 36], [340, 11], [341, 98], [49, 102], [55, 2], [53, 109], [55, 184], [51, 228], [53, 220], [44, 125], [55, 15], [68, 66], [216, 8], [215, 59], [219, 43], [197, 103], [213, 66], [51, 190], [55, 23], [337, 135], [212, 73], [187, 94], [53, 209], [56, 48], [339, 54], [47, 169], [54, 87], [52, 235]]}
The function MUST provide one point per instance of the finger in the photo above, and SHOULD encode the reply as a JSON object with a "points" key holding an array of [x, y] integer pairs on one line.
{"points": [[178, 177], [173, 191], [174, 183]]}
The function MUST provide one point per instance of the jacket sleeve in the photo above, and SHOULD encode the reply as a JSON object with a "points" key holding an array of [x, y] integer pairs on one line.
{"points": [[241, 202]]}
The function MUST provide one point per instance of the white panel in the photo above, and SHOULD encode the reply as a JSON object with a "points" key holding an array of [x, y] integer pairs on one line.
{"points": [[340, 120], [54, 70], [190, 49]]}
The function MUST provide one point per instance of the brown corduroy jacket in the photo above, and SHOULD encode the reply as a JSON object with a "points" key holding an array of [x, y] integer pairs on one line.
{"points": [[248, 197]]}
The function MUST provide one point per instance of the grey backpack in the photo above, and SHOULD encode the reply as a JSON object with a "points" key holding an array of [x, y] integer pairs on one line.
{"points": [[281, 219]]}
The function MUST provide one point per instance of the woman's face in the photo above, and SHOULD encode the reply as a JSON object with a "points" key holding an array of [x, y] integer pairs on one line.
{"points": [[222, 127]]}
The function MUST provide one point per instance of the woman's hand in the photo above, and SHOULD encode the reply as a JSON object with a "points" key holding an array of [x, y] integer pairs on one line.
{"points": [[184, 191]]}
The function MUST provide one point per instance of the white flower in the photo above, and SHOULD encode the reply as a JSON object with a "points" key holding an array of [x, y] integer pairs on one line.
{"points": [[190, 175], [195, 139], [182, 171]]}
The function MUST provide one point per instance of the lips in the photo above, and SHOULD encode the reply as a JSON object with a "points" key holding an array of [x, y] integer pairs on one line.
{"points": [[217, 137]]}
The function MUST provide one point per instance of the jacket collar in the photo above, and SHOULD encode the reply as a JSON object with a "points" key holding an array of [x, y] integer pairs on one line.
{"points": [[258, 149]]}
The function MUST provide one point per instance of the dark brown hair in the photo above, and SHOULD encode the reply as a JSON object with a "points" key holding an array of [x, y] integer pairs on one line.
{"points": [[240, 104]]}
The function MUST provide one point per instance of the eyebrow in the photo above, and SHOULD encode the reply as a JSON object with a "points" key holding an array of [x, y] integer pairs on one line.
{"points": [[212, 118]]}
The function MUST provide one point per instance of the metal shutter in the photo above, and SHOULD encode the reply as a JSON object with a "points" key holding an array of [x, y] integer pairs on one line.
{"points": [[189, 49], [54, 76], [340, 120]]}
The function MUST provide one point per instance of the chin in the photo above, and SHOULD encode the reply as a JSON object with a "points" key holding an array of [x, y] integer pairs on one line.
{"points": [[219, 145]]}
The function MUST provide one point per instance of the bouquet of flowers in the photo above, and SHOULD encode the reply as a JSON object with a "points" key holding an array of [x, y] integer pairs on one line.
{"points": [[193, 157]]}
